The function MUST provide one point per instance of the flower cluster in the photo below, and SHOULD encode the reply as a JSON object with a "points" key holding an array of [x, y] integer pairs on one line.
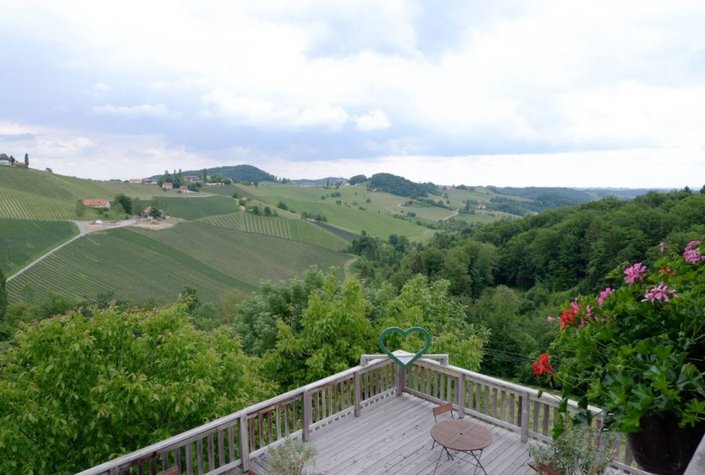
{"points": [[543, 365], [635, 273], [636, 349], [659, 293], [691, 254]]}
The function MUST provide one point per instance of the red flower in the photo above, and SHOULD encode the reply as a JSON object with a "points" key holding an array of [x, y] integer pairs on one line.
{"points": [[543, 365], [568, 317]]}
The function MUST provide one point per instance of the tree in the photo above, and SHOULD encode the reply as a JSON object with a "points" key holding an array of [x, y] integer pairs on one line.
{"points": [[255, 319], [357, 179], [334, 332], [124, 201], [430, 306], [114, 382]]}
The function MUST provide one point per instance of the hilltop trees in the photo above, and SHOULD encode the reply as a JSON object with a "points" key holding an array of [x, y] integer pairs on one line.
{"points": [[75, 390]]}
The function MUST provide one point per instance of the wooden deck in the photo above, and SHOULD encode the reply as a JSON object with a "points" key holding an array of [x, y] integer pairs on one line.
{"points": [[393, 437]]}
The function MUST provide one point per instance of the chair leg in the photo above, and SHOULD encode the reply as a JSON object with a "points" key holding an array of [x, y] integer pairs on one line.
{"points": [[437, 462]]}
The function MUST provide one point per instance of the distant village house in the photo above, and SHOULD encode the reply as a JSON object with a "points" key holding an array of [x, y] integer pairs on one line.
{"points": [[135, 180], [96, 203], [167, 185]]}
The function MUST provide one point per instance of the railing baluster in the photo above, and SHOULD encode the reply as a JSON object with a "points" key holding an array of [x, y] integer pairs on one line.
{"points": [[189, 460], [245, 443], [211, 453], [231, 444], [525, 406], [356, 387], [199, 456], [221, 449], [306, 416]]}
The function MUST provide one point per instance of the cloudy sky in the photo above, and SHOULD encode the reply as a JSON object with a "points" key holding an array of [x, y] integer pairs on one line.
{"points": [[573, 93]]}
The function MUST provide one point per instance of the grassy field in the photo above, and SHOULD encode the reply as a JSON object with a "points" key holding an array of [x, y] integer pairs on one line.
{"points": [[285, 228], [139, 264], [22, 241], [354, 209]]}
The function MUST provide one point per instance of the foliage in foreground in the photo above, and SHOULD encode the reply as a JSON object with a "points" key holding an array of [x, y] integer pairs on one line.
{"points": [[76, 391]]}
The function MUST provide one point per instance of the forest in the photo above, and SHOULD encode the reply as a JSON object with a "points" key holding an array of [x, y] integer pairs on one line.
{"points": [[87, 381]]}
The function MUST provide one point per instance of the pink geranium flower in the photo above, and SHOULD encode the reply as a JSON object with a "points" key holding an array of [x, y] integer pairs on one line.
{"points": [[635, 273], [603, 295], [691, 254], [660, 293]]}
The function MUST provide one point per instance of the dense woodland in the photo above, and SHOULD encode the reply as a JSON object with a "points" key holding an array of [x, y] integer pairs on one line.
{"points": [[483, 292]]}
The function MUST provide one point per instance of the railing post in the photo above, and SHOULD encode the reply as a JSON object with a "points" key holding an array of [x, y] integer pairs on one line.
{"points": [[306, 416], [460, 395], [401, 379], [244, 444], [525, 398], [358, 393]]}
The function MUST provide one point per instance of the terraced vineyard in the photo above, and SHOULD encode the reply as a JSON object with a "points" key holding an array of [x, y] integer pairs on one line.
{"points": [[285, 228], [139, 264], [194, 207], [246, 256], [22, 241], [23, 205]]}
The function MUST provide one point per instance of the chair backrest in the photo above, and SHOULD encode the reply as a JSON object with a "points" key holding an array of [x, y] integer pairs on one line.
{"points": [[442, 409]]}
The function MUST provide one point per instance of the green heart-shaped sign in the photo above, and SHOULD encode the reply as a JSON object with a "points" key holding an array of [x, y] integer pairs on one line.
{"points": [[405, 334]]}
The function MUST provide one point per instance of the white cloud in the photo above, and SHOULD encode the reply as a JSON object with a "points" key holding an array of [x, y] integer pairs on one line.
{"points": [[154, 110], [253, 111], [548, 75], [374, 120], [631, 168]]}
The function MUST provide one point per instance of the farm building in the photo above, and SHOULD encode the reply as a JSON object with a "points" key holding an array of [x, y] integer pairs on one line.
{"points": [[96, 203], [167, 186]]}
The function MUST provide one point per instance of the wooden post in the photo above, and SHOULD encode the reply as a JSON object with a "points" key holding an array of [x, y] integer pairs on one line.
{"points": [[524, 417], [358, 393], [401, 379], [460, 395], [244, 444], [307, 416]]}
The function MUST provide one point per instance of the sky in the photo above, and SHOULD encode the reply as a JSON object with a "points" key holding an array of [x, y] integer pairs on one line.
{"points": [[507, 93]]}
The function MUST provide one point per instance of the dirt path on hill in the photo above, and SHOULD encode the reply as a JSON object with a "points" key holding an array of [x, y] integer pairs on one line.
{"points": [[84, 228]]}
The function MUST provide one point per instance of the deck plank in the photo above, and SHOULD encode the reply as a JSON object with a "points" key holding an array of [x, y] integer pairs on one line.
{"points": [[393, 437]]}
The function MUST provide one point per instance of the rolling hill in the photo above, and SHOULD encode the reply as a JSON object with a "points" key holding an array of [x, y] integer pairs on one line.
{"points": [[213, 244]]}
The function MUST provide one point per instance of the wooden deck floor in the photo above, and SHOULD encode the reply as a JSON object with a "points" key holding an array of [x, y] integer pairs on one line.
{"points": [[393, 437]]}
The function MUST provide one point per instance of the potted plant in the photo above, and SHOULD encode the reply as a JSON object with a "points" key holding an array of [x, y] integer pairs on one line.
{"points": [[638, 352], [291, 457], [578, 450]]}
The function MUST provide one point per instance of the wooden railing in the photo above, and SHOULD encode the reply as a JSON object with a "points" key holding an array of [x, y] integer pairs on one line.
{"points": [[229, 442], [510, 406]]}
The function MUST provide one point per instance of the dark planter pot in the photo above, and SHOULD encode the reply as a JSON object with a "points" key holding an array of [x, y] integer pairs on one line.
{"points": [[662, 447]]}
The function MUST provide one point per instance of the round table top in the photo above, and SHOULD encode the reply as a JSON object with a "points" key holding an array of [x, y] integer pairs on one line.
{"points": [[461, 435]]}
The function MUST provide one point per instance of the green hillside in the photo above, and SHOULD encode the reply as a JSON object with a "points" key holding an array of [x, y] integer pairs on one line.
{"points": [[285, 228], [22, 241], [138, 264], [351, 208], [34, 194]]}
